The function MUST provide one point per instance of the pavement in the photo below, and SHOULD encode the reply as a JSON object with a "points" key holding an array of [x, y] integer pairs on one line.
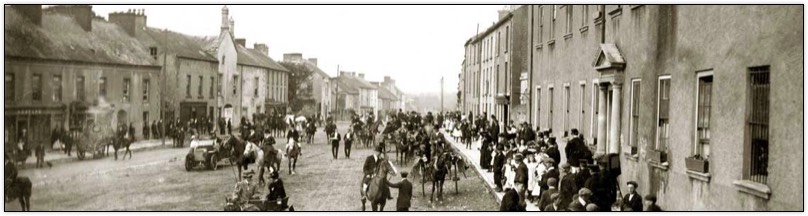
{"points": [[59, 157], [473, 156]]}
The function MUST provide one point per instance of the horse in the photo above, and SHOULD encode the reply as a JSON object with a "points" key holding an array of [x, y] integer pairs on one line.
{"points": [[236, 146], [441, 167], [378, 190], [292, 153], [310, 130], [19, 188]]}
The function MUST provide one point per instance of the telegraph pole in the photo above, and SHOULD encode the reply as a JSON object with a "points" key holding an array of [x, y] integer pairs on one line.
{"points": [[441, 94]]}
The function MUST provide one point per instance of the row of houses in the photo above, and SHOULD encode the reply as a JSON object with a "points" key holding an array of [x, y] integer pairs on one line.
{"points": [[64, 65], [355, 95], [703, 104]]}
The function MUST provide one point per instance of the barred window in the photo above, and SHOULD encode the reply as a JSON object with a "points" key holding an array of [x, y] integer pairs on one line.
{"points": [[758, 125]]}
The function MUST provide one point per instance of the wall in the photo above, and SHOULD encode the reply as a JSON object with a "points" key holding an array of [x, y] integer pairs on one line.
{"points": [[23, 71], [176, 72], [227, 55], [253, 102]]}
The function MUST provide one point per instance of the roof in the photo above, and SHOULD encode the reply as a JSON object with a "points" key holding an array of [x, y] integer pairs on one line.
{"points": [[177, 43], [362, 83], [386, 94], [61, 38], [316, 69], [257, 59], [344, 84]]}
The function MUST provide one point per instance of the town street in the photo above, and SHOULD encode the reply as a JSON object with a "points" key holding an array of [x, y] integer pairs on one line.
{"points": [[157, 181]]}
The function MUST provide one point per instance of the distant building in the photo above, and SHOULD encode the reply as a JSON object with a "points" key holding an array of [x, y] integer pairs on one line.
{"points": [[319, 83], [252, 83], [64, 67]]}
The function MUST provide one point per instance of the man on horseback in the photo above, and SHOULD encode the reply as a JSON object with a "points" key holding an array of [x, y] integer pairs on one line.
{"points": [[370, 169]]}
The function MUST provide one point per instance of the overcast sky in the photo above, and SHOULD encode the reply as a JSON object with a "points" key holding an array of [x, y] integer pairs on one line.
{"points": [[415, 44]]}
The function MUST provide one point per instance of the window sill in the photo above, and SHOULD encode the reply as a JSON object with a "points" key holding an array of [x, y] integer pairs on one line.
{"points": [[754, 188], [567, 36], [599, 20], [583, 29], [662, 166], [634, 157], [550, 42], [705, 177], [538, 46], [616, 12], [635, 6]]}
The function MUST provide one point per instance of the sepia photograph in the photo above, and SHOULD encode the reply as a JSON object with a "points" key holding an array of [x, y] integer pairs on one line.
{"points": [[433, 108]]}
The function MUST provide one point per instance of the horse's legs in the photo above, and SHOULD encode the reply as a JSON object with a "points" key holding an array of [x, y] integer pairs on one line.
{"points": [[128, 152], [290, 165], [294, 164], [363, 204]]}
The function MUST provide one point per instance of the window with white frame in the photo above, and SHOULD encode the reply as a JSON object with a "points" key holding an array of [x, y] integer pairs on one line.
{"points": [[635, 115], [704, 90], [663, 117]]}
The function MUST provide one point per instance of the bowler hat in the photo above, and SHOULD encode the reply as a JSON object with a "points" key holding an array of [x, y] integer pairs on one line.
{"points": [[404, 174], [518, 156]]}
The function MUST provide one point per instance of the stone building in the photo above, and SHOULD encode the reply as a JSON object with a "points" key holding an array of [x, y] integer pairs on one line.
{"points": [[661, 84], [62, 61]]}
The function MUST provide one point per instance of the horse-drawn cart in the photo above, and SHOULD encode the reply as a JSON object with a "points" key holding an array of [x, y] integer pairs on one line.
{"points": [[90, 130]]}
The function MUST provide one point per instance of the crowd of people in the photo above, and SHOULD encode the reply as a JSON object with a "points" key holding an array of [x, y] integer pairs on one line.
{"points": [[528, 167]]}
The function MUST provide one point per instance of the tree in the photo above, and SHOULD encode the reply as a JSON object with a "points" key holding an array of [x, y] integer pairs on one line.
{"points": [[299, 85]]}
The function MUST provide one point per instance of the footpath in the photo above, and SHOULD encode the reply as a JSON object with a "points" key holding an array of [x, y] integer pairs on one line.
{"points": [[473, 157], [59, 157]]}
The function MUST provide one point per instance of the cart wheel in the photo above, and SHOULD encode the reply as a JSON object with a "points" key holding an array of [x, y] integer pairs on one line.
{"points": [[189, 163], [213, 160]]}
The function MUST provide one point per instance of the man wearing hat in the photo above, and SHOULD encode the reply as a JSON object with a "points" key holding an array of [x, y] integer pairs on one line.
{"points": [[275, 188], [567, 187], [575, 151], [498, 163], [245, 189], [546, 196], [370, 168], [583, 200], [602, 186], [520, 179], [555, 205], [404, 192], [632, 201], [650, 204], [552, 150]]}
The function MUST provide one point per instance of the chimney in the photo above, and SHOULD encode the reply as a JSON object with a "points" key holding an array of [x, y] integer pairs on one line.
{"points": [[313, 61], [83, 14], [241, 41], [232, 27], [225, 20], [261, 48], [342, 73], [293, 57], [387, 79], [132, 21], [362, 75], [503, 13], [31, 12]]}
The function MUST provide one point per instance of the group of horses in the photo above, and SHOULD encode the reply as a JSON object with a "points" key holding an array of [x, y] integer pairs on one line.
{"points": [[410, 142]]}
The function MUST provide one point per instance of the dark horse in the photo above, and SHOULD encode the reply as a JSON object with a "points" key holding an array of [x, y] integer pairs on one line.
{"points": [[435, 172], [378, 190], [236, 147], [17, 187]]}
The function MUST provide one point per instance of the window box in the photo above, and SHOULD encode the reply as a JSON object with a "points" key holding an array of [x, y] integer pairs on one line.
{"points": [[697, 164], [658, 156]]}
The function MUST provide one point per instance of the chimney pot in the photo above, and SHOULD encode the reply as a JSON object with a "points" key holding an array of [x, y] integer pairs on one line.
{"points": [[82, 14], [362, 75], [313, 61]]}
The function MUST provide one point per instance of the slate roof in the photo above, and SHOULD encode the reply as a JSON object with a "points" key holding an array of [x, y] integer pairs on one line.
{"points": [[386, 94], [257, 59], [177, 43], [362, 83], [345, 85], [61, 38], [317, 69]]}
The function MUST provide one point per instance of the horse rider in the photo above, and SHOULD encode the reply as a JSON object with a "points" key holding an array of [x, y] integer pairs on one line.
{"points": [[275, 188], [270, 153], [330, 128], [370, 168], [293, 136]]}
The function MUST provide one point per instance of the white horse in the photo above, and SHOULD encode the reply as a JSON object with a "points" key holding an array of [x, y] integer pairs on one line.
{"points": [[251, 150]]}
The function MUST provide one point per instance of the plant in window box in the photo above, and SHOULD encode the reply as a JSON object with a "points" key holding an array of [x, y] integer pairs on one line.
{"points": [[697, 163], [658, 156]]}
